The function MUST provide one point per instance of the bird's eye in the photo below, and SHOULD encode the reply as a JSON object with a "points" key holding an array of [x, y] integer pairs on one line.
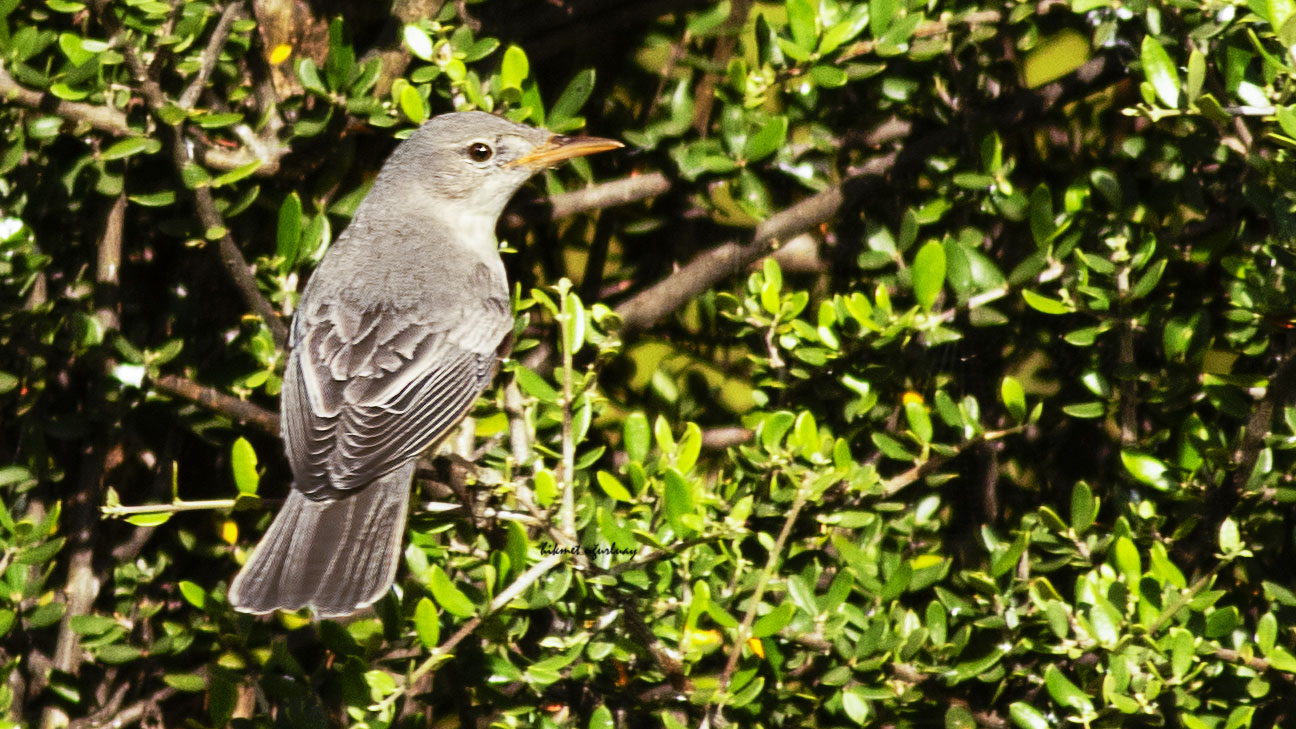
{"points": [[480, 151]]}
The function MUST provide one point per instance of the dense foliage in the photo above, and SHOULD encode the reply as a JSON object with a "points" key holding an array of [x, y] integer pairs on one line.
{"points": [[922, 363]]}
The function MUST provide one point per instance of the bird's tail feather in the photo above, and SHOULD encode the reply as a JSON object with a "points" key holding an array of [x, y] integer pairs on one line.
{"points": [[335, 556]]}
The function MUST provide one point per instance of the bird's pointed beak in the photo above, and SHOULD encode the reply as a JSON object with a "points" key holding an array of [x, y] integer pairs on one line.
{"points": [[559, 148]]}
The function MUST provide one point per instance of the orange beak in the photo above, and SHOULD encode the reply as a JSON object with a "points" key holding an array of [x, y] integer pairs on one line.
{"points": [[559, 148]]}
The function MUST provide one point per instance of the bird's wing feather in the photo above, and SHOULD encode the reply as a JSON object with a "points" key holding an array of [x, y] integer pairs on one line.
{"points": [[365, 391]]}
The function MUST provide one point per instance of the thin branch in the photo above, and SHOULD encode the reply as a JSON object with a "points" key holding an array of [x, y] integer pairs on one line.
{"points": [[103, 118], [241, 411], [895, 484], [724, 48], [744, 628], [113, 121], [211, 54], [718, 439], [608, 194], [236, 266], [132, 714], [175, 507], [442, 652], [567, 516], [519, 435]]}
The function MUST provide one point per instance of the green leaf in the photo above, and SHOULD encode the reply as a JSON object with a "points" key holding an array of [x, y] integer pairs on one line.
{"points": [[1041, 215], [194, 176], [91, 624], [1066, 693], [1280, 659], [308, 73], [1230, 540], [117, 654], [412, 104], [1026, 716], [130, 146], [427, 623], [636, 436], [449, 597], [156, 518], [773, 621], [535, 385], [805, 434], [828, 76], [1196, 75], [243, 461], [514, 69], [571, 100], [418, 42], [690, 445], [767, 140], [703, 23], [1146, 468], [613, 487], [1160, 71], [1044, 304], [601, 718], [193, 594], [801, 21], [546, 486], [190, 682], [929, 273], [1084, 507], [236, 174], [1014, 397], [1127, 560], [679, 499], [289, 231]]}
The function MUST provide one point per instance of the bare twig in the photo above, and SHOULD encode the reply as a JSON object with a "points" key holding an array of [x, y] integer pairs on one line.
{"points": [[241, 411], [608, 194], [211, 54], [132, 714]]}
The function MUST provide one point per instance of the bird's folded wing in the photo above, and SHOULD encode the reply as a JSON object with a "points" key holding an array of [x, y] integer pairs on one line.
{"points": [[366, 391]]}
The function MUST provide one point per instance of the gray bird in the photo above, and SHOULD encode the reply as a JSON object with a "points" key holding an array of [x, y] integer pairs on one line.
{"points": [[398, 331]]}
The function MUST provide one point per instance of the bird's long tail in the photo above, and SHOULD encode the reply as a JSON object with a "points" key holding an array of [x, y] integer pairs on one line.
{"points": [[335, 556]]}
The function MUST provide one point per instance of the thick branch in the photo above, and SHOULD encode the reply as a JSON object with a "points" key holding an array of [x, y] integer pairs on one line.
{"points": [[241, 411], [608, 194], [656, 302]]}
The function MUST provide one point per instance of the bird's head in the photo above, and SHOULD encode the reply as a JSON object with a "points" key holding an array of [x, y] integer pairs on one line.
{"points": [[477, 160]]}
